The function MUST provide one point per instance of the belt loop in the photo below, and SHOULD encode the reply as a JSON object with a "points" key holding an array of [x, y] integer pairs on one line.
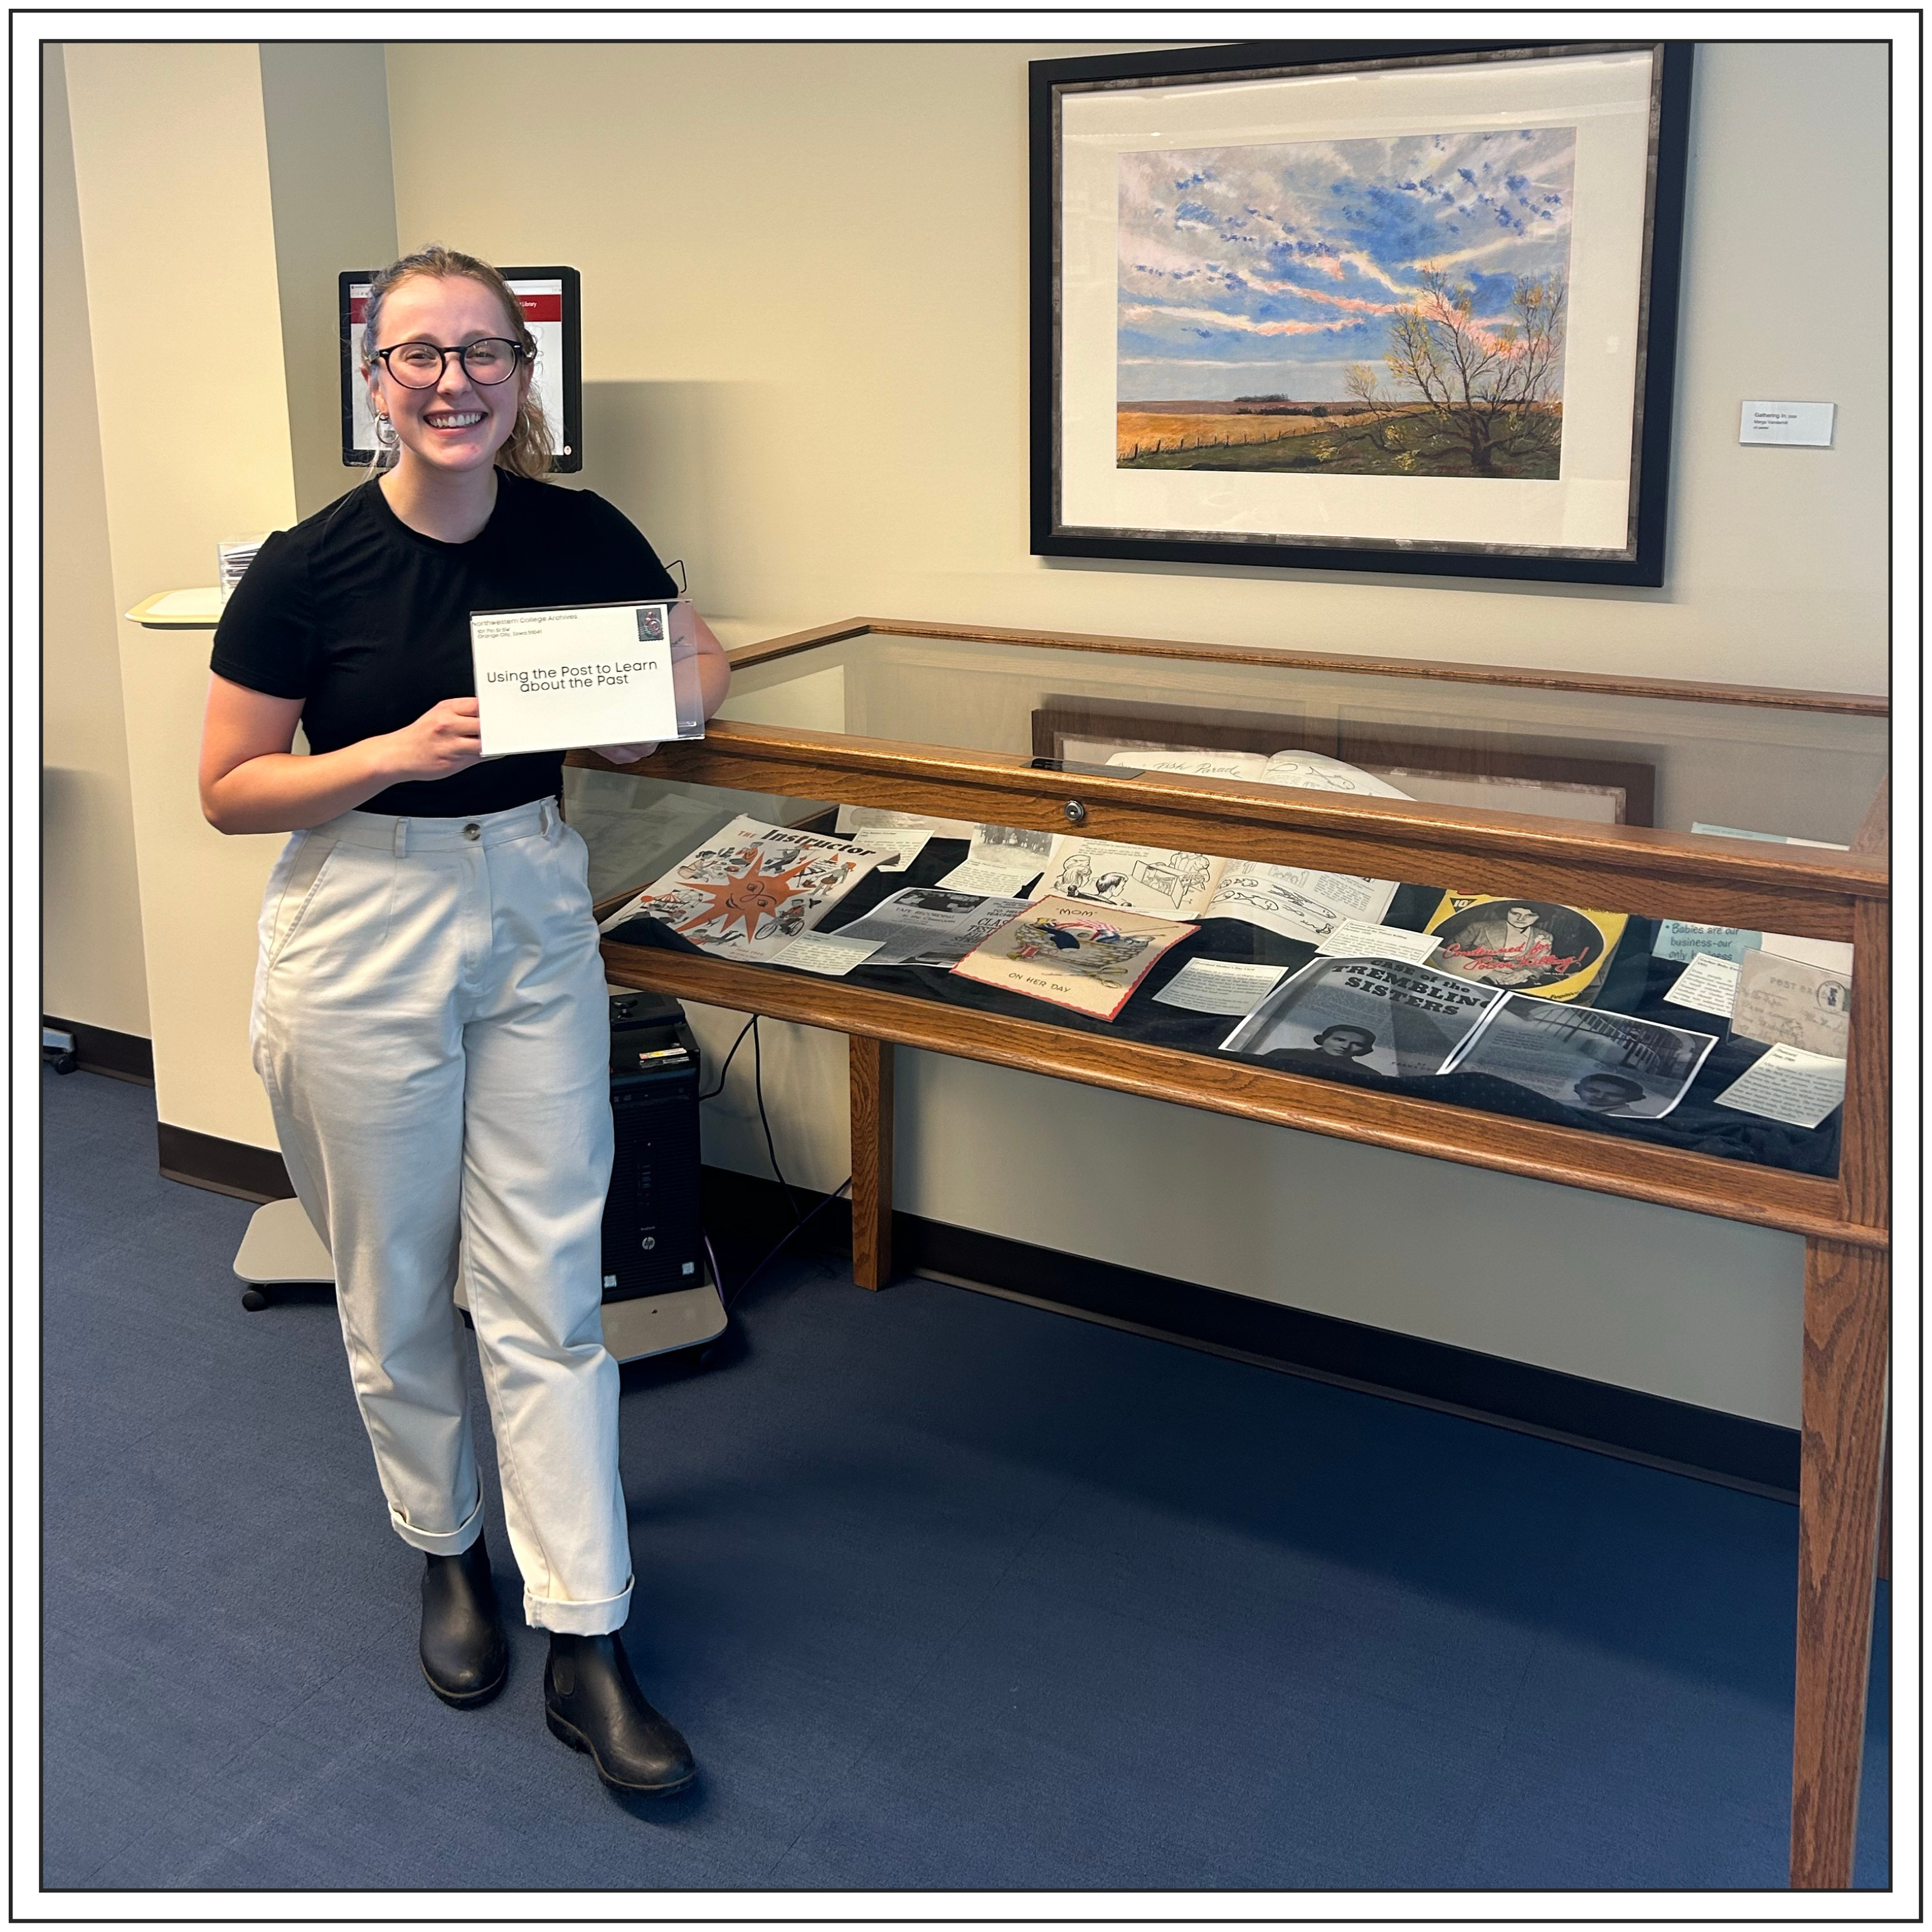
{"points": [[549, 817], [402, 837]]}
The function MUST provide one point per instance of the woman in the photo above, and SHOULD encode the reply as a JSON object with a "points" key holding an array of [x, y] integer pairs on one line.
{"points": [[430, 1014]]}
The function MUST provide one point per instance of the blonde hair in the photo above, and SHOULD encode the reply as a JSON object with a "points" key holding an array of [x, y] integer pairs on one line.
{"points": [[530, 447]]}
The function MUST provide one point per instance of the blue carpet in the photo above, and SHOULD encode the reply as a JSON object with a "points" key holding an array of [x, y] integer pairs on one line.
{"points": [[947, 1592]]}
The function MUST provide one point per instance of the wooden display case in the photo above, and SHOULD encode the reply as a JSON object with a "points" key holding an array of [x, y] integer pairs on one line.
{"points": [[961, 722]]}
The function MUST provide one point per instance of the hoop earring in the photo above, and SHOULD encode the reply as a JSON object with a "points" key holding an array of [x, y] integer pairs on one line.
{"points": [[386, 431]]}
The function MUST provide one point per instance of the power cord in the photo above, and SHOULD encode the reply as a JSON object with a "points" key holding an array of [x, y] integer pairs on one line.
{"points": [[764, 1121], [783, 1241], [799, 1221], [728, 1058]]}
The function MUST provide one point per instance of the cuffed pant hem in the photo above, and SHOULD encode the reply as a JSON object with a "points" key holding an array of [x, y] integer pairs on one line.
{"points": [[594, 1619], [450, 1543]]}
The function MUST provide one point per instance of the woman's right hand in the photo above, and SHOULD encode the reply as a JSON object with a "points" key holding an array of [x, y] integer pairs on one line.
{"points": [[447, 738]]}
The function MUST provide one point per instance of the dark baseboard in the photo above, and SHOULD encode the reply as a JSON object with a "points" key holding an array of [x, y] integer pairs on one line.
{"points": [[120, 1056], [227, 1167], [747, 1214]]}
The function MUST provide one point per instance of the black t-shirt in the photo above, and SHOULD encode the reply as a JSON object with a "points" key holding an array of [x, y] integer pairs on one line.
{"points": [[368, 621]]}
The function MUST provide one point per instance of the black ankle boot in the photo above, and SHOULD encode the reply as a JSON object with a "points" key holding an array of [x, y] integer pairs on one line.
{"points": [[592, 1701], [464, 1655]]}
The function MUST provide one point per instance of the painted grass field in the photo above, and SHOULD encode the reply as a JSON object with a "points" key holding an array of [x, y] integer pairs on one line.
{"points": [[1405, 442]]}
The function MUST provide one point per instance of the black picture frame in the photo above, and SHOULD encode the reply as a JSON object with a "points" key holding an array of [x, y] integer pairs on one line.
{"points": [[569, 456], [1639, 562]]}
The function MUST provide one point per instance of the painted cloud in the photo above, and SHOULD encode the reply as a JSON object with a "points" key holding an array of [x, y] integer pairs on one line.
{"points": [[1247, 270]]}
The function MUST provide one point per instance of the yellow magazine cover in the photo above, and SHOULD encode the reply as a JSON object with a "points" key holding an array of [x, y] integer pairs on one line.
{"points": [[1525, 946]]}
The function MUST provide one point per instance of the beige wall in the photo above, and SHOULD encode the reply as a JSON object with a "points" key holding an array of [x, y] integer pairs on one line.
{"points": [[267, 171], [91, 966], [171, 164], [325, 111]]}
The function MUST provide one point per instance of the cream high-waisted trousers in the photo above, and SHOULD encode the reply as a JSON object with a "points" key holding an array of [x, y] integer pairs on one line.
{"points": [[430, 1022]]}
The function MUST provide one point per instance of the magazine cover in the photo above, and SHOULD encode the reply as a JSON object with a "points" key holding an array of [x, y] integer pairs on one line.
{"points": [[1382, 1014], [1604, 1064], [747, 892], [1089, 957], [1526, 946]]}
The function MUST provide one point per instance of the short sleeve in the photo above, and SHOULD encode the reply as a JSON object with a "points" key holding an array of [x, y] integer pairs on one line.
{"points": [[626, 567], [266, 637]]}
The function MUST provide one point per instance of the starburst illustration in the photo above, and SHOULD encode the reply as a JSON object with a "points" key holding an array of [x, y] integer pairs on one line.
{"points": [[753, 895]]}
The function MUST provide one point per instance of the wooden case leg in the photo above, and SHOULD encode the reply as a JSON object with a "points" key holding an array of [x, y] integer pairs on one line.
{"points": [[871, 1065], [1846, 1309]]}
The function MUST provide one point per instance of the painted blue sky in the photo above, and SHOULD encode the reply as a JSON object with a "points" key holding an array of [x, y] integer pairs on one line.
{"points": [[1267, 270]]}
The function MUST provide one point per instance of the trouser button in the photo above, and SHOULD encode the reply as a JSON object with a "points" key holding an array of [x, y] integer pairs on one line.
{"points": [[472, 831]]}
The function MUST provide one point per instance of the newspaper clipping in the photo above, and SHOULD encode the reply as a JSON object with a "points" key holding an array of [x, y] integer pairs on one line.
{"points": [[1604, 1064], [930, 925]]}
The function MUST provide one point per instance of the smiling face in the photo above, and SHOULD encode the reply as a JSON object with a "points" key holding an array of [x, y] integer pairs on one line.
{"points": [[457, 424]]}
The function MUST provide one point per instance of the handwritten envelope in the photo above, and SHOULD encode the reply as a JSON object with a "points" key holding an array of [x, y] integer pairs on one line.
{"points": [[1792, 1003]]}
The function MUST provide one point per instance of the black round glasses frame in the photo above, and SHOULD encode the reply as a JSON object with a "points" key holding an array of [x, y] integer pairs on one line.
{"points": [[462, 352]]}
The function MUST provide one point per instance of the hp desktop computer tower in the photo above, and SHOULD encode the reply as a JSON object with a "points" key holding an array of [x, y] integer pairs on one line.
{"points": [[657, 1292]]}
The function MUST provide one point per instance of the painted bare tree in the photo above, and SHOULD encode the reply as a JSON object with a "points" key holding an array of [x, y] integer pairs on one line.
{"points": [[1494, 390], [1364, 386]]}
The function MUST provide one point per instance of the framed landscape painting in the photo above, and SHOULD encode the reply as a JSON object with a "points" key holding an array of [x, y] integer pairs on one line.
{"points": [[1382, 307]]}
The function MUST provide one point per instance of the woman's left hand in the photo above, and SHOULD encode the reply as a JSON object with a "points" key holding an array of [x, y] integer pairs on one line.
{"points": [[624, 755]]}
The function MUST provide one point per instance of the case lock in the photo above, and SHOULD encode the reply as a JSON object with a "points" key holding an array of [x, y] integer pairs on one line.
{"points": [[1076, 812]]}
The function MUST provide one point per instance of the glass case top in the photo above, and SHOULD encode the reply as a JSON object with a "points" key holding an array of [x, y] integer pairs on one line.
{"points": [[1400, 967], [1795, 766]]}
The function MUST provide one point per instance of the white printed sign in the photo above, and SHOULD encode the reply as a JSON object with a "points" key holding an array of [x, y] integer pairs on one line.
{"points": [[1708, 985], [827, 952], [1230, 987], [1796, 425], [1356, 938], [1790, 1085], [589, 674]]}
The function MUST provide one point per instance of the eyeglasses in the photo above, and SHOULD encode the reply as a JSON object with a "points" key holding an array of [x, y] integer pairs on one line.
{"points": [[419, 365]]}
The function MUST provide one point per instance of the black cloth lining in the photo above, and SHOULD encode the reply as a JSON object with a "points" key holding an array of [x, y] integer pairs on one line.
{"points": [[1634, 985]]}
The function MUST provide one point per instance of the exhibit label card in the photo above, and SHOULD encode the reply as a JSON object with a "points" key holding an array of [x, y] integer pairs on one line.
{"points": [[1357, 937], [1796, 425], [1231, 987], [587, 674], [828, 952], [1707, 985], [904, 842], [1789, 1084]]}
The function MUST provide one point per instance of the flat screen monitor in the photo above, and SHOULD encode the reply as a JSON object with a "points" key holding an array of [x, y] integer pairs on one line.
{"points": [[552, 309]]}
